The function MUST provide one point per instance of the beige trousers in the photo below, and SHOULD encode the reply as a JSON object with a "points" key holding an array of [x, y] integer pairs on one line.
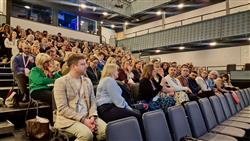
{"points": [[83, 133]]}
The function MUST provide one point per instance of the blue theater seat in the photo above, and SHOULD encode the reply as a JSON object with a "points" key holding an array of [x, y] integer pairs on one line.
{"points": [[235, 116], [220, 116], [212, 124], [227, 111], [126, 129], [198, 126], [178, 122], [155, 126]]}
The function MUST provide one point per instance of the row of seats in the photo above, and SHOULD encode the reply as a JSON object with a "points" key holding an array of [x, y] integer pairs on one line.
{"points": [[216, 118]]}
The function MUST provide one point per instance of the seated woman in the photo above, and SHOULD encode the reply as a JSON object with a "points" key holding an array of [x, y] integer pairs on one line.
{"points": [[151, 91], [110, 103], [227, 83], [40, 77]]}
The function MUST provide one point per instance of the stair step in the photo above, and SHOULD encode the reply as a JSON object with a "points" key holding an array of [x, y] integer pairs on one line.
{"points": [[6, 75], [7, 88], [5, 70], [6, 80]]}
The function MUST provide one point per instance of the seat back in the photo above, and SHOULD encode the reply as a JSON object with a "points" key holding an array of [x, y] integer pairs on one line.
{"points": [[242, 104], [195, 119], [225, 106], [126, 129], [244, 97], [238, 106], [230, 103], [156, 126], [208, 113], [247, 96], [178, 122], [217, 108]]}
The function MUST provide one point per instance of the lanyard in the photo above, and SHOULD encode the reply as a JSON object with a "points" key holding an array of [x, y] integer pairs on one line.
{"points": [[25, 63]]}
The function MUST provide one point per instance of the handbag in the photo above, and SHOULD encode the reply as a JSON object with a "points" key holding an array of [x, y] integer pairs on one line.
{"points": [[37, 127], [180, 97], [235, 97]]}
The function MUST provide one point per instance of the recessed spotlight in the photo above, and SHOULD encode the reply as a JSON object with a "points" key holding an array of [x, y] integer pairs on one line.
{"points": [[213, 43], [249, 39], [137, 20], [181, 47], [27, 7], [180, 6], [94, 8], [112, 26], [105, 13], [126, 23], [83, 6], [157, 51], [158, 13], [82, 22], [101, 22]]}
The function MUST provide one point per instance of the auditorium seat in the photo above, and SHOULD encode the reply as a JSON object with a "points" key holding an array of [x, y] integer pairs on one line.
{"points": [[178, 122], [181, 128], [156, 126], [212, 124], [241, 106], [126, 129], [198, 126], [220, 116], [236, 116], [227, 111], [245, 102]]}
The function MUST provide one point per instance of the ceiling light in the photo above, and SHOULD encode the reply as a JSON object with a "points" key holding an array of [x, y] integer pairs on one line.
{"points": [[105, 13], [94, 8], [112, 26], [126, 23], [27, 7], [249, 39], [213, 43], [180, 6], [182, 47], [82, 22], [157, 51], [83, 6], [101, 22], [137, 20], [158, 13]]}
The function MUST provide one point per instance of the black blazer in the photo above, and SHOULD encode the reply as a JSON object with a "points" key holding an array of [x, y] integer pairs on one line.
{"points": [[94, 79], [146, 90]]}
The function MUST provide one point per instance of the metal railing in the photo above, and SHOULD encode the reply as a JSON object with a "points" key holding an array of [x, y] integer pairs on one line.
{"points": [[179, 23]]}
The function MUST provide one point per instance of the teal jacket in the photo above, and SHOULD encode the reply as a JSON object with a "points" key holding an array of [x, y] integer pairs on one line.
{"points": [[39, 81]]}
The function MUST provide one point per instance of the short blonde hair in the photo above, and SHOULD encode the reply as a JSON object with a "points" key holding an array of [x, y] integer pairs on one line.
{"points": [[108, 70], [42, 58]]}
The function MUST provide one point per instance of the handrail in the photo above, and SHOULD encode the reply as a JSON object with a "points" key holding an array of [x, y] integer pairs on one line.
{"points": [[181, 21]]}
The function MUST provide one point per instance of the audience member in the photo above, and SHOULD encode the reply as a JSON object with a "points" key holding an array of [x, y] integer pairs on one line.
{"points": [[92, 71], [75, 102], [41, 77], [22, 64], [111, 104]]}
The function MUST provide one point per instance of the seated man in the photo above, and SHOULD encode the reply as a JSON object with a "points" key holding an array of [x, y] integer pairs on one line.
{"points": [[195, 88], [75, 102], [22, 64]]}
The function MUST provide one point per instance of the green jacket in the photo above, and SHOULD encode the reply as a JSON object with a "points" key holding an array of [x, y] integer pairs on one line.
{"points": [[39, 81]]}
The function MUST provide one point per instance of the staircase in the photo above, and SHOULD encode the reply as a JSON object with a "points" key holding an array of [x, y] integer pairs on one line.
{"points": [[15, 115]]}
